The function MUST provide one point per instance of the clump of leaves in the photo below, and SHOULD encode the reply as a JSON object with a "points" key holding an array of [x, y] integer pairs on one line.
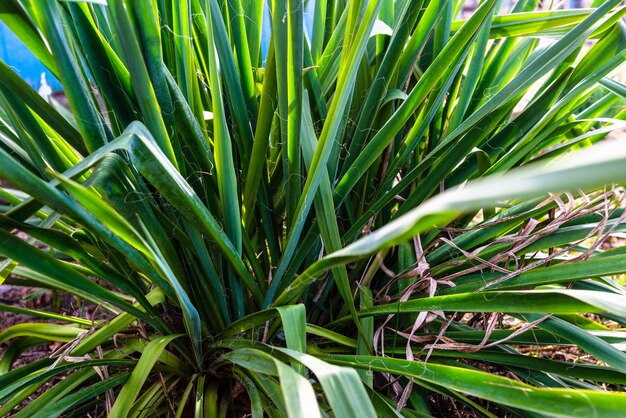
{"points": [[292, 232]]}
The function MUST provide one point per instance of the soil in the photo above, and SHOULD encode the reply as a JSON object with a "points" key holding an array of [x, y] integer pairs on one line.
{"points": [[444, 407], [24, 297]]}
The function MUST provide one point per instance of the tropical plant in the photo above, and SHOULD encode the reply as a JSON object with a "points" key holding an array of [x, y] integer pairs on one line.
{"points": [[292, 232]]}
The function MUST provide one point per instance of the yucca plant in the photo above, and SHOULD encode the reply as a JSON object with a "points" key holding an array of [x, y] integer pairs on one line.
{"points": [[292, 232]]}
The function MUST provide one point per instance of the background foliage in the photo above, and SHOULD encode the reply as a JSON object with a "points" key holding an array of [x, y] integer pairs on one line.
{"points": [[295, 235]]}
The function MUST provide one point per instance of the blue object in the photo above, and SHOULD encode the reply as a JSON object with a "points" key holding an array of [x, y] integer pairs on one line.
{"points": [[23, 62]]}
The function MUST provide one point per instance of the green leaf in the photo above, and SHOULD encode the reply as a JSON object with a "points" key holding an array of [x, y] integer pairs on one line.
{"points": [[298, 395], [342, 386], [56, 409], [586, 170], [137, 378], [496, 388], [535, 301]]}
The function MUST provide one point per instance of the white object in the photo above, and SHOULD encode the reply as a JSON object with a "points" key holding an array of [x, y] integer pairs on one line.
{"points": [[45, 90]]}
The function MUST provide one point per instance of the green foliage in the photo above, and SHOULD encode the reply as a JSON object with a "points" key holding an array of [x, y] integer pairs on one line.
{"points": [[397, 204]]}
